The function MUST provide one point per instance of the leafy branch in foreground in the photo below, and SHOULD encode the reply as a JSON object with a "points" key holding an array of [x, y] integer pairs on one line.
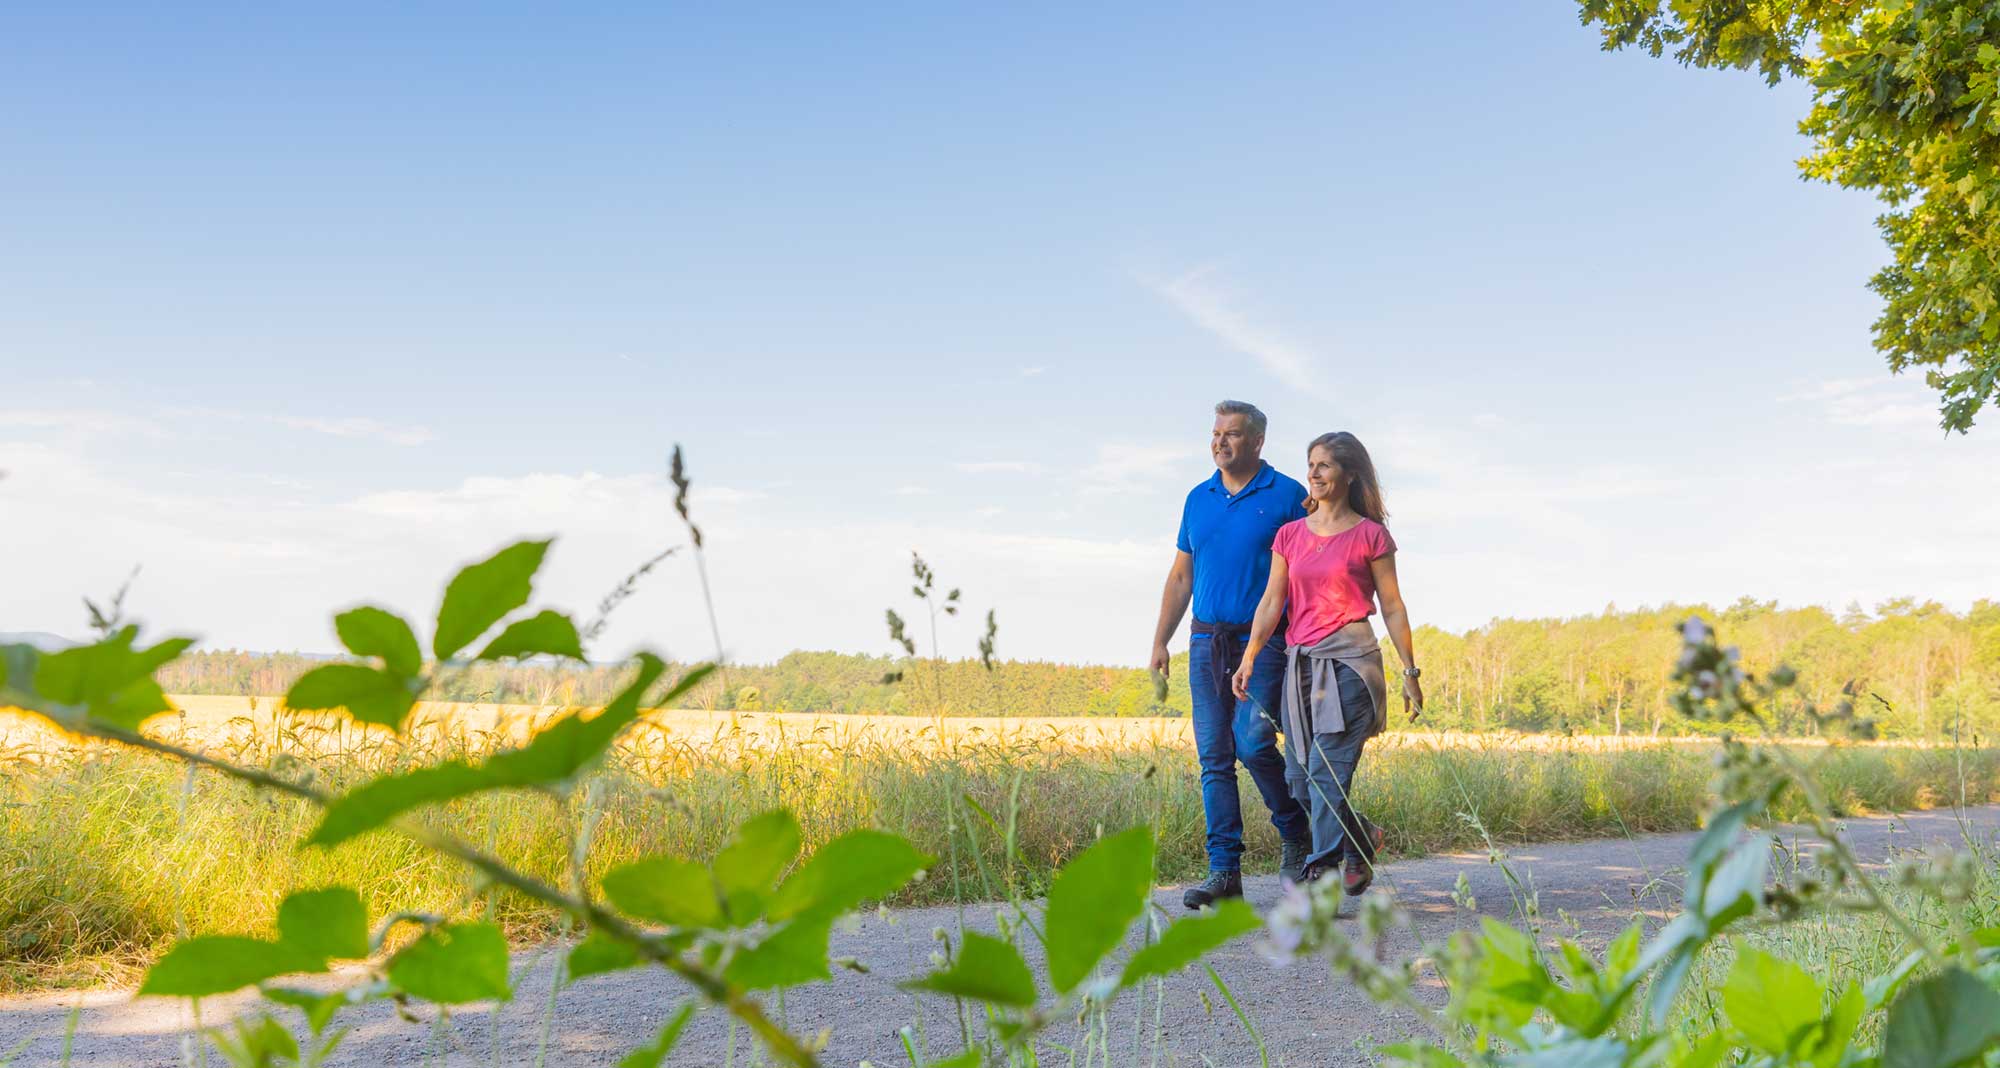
{"points": [[1514, 1001], [727, 930], [1903, 106]]}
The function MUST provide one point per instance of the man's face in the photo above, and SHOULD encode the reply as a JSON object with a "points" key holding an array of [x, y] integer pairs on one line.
{"points": [[1232, 445]]}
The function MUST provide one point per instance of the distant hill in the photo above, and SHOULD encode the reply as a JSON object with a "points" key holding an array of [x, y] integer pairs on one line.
{"points": [[40, 639]]}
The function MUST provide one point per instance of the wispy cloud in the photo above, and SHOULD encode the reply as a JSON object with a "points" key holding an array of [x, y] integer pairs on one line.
{"points": [[911, 490], [1870, 402], [355, 427], [993, 467], [79, 421], [1212, 307], [1031, 372], [1127, 466]]}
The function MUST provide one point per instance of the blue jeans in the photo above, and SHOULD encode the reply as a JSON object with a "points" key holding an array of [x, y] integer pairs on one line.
{"points": [[1225, 732], [1338, 831]]}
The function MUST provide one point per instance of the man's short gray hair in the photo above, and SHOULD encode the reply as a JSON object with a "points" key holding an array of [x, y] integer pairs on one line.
{"points": [[1246, 409]]}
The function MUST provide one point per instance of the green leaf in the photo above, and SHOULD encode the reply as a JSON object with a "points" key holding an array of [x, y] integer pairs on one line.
{"points": [[555, 755], [1836, 1033], [217, 964], [1944, 1021], [855, 867], [257, 1041], [370, 631], [1882, 987], [987, 969], [665, 890], [378, 801], [599, 953], [1737, 884], [651, 1055], [545, 633], [750, 864], [1511, 979], [319, 1007], [1417, 1055], [482, 594], [1094, 899], [967, 1058], [369, 695], [789, 956], [454, 964], [1770, 1001], [1188, 940], [111, 680], [329, 923]]}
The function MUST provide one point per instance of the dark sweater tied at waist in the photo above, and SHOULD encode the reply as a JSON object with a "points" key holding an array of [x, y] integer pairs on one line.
{"points": [[1226, 641]]}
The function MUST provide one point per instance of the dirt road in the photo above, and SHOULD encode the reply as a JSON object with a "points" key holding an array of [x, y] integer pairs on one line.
{"points": [[1306, 1018]]}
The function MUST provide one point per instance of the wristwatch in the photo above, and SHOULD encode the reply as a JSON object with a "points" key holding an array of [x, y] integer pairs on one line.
{"points": [[1413, 672]]}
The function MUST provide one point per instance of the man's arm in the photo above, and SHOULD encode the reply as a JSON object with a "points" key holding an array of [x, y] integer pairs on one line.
{"points": [[1173, 605]]}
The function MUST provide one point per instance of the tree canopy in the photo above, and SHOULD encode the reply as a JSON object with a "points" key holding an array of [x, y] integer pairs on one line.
{"points": [[1902, 107]]}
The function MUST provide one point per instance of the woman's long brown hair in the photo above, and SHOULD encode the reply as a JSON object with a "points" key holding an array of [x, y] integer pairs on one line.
{"points": [[1364, 492]]}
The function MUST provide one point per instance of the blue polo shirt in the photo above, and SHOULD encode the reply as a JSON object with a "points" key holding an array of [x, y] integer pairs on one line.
{"points": [[1229, 537]]}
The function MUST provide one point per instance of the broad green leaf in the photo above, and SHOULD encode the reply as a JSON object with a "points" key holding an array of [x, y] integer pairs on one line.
{"points": [[1882, 987], [545, 633], [987, 969], [1188, 940], [111, 680], [1622, 955], [368, 631], [653, 1053], [1944, 1021], [320, 1006], [378, 801], [555, 755], [1707, 1051], [217, 964], [483, 594], [1714, 842], [599, 953], [454, 964], [330, 923], [1094, 899], [257, 1041], [1771, 1002], [1575, 1053], [665, 890], [750, 864], [1737, 884], [1836, 1034], [789, 956], [369, 695], [855, 867], [1511, 979], [969, 1058]]}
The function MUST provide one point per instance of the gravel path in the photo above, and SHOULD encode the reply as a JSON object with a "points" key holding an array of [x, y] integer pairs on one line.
{"points": [[1590, 889]]}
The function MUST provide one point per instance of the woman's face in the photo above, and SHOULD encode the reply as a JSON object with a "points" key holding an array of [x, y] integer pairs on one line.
{"points": [[1325, 481]]}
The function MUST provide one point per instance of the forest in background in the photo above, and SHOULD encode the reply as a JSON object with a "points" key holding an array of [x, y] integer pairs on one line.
{"points": [[1919, 669]]}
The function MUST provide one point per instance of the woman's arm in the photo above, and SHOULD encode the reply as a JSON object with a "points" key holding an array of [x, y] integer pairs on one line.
{"points": [[1397, 618], [1269, 609]]}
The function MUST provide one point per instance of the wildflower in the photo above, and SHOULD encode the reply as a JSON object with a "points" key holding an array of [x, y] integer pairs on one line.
{"points": [[1694, 631]]}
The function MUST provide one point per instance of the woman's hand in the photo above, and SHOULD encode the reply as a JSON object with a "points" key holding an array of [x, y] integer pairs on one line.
{"points": [[1240, 682], [1413, 698]]}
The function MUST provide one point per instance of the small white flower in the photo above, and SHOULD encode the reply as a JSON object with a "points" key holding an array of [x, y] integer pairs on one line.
{"points": [[1694, 631]]}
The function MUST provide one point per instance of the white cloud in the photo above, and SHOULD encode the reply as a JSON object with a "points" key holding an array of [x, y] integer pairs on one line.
{"points": [[1881, 402], [991, 467], [910, 490], [1031, 372], [1211, 307], [85, 421], [358, 427], [1127, 466]]}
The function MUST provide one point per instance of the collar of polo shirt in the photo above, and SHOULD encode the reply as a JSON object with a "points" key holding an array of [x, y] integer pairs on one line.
{"points": [[1261, 480]]}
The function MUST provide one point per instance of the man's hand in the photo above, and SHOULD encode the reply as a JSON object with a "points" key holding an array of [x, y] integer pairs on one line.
{"points": [[1413, 698], [1240, 682], [1162, 660]]}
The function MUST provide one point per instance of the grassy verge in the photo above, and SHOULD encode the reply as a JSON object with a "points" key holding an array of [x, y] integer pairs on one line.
{"points": [[108, 855]]}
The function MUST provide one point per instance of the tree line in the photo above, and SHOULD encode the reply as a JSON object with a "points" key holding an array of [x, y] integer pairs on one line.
{"points": [[1918, 669]]}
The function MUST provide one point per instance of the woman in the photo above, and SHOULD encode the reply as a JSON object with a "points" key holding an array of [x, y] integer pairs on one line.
{"points": [[1327, 570]]}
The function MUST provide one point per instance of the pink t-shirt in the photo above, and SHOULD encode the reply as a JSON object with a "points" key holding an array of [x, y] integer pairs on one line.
{"points": [[1328, 582]]}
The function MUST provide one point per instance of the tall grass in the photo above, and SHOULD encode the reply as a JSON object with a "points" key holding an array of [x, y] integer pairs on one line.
{"points": [[106, 855]]}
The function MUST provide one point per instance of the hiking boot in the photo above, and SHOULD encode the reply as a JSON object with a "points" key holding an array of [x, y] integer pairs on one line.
{"points": [[1218, 885], [1292, 866], [1356, 879]]}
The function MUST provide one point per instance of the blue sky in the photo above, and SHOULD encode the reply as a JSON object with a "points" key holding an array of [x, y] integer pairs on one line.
{"points": [[304, 308]]}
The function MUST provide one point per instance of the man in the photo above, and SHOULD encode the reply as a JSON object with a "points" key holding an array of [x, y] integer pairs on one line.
{"points": [[1223, 563]]}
